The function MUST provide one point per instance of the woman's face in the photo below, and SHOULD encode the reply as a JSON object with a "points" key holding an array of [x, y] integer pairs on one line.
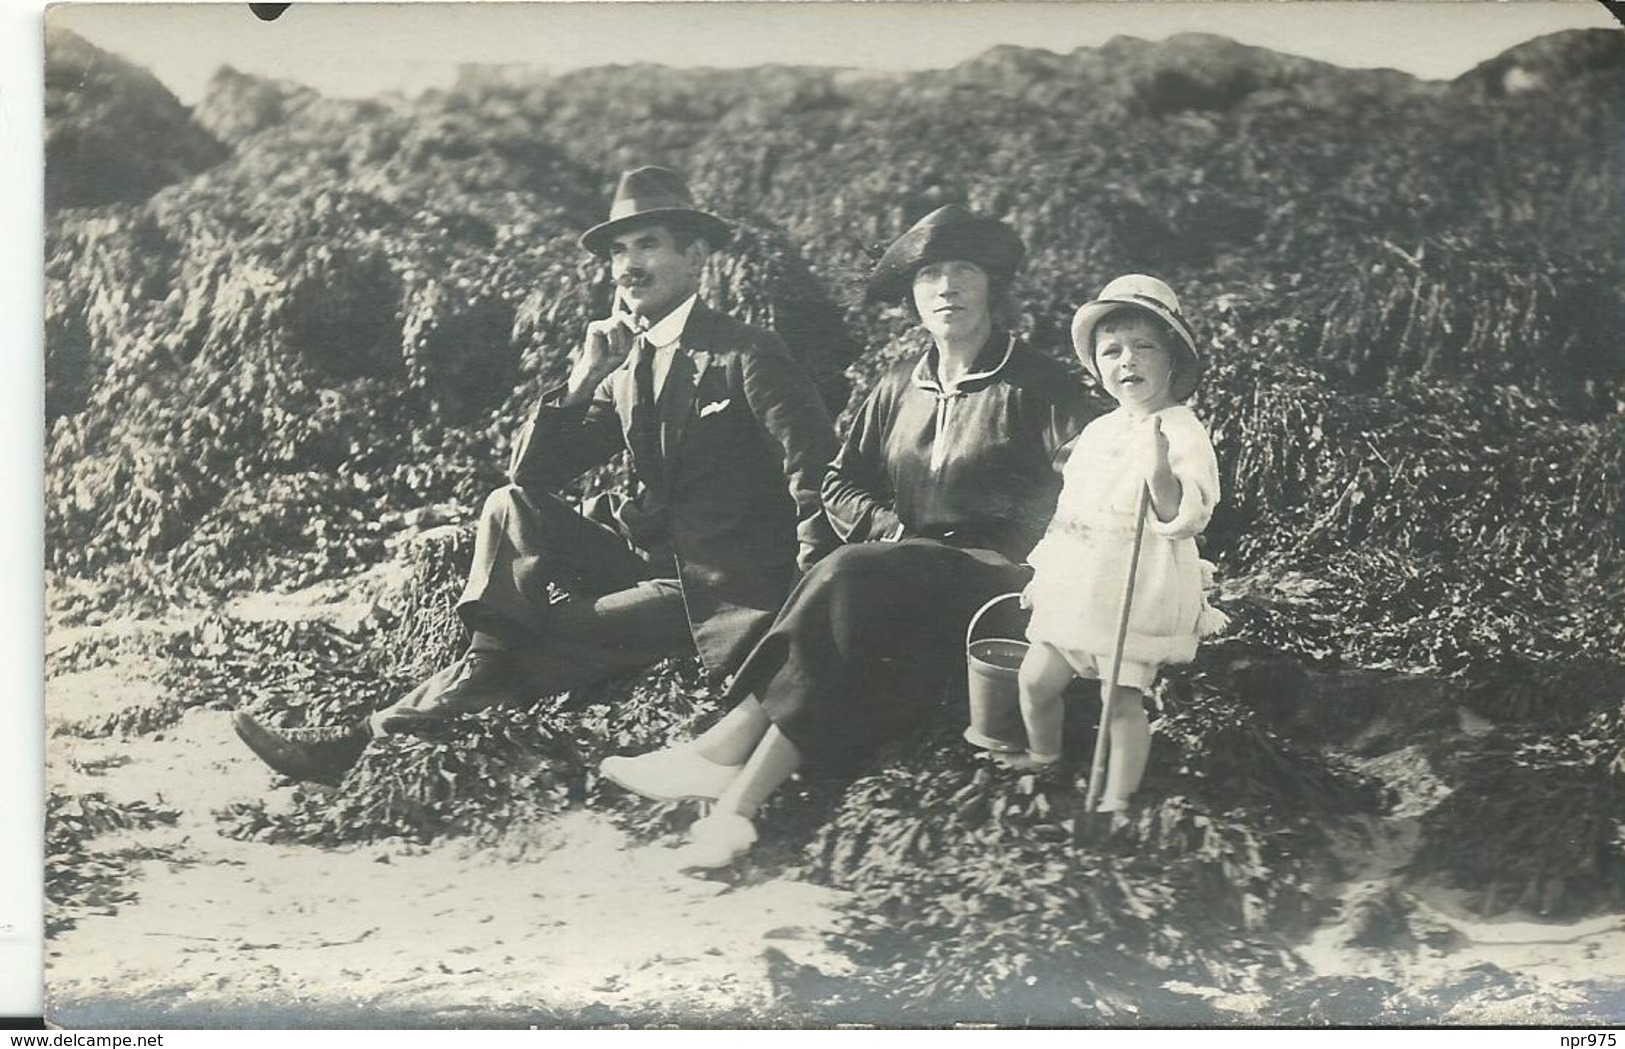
{"points": [[1135, 365], [952, 297]]}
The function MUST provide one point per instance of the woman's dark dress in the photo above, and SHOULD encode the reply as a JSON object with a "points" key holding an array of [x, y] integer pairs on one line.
{"points": [[940, 494]]}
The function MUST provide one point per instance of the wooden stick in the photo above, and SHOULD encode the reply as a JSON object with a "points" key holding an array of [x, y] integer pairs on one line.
{"points": [[1097, 770]]}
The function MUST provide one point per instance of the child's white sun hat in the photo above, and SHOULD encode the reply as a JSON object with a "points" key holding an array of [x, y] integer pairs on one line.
{"points": [[1156, 298]]}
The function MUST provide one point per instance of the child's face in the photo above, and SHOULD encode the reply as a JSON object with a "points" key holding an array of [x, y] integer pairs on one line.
{"points": [[1135, 365]]}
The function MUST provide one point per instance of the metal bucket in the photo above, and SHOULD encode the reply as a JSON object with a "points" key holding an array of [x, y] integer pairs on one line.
{"points": [[993, 656]]}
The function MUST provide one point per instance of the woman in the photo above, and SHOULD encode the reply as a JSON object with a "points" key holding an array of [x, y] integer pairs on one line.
{"points": [[945, 482]]}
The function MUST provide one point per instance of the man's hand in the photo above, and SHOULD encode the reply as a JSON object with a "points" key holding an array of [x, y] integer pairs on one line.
{"points": [[604, 349]]}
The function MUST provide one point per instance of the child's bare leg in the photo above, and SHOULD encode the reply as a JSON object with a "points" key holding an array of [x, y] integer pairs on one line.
{"points": [[1044, 675], [1130, 747]]}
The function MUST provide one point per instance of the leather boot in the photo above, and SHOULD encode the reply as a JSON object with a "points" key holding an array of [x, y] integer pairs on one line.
{"points": [[315, 755]]}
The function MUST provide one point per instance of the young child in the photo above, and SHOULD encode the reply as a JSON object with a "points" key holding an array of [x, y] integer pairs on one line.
{"points": [[1138, 345]]}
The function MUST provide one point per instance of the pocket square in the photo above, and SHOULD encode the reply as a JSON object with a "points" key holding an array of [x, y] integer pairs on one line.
{"points": [[715, 406]]}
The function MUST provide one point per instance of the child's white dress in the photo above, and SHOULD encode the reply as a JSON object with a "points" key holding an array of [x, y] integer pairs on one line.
{"points": [[1081, 564]]}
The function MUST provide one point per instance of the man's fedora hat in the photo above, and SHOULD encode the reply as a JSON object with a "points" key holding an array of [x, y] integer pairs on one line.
{"points": [[650, 195], [1156, 298], [947, 234]]}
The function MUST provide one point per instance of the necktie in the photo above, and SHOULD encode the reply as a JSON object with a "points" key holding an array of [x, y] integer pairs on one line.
{"points": [[643, 436]]}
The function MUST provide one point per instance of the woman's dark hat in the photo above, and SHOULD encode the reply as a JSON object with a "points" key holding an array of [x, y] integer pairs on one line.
{"points": [[1156, 298], [653, 194], [948, 233]]}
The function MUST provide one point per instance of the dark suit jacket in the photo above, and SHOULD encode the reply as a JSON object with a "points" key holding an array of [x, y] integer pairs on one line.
{"points": [[744, 442]]}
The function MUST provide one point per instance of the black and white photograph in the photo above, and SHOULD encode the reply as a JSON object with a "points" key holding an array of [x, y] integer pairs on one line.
{"points": [[806, 515]]}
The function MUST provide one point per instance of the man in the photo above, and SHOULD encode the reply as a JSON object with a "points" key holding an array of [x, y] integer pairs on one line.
{"points": [[728, 442]]}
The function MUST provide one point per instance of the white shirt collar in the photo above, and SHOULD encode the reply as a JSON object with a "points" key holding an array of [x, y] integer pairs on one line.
{"points": [[669, 328], [925, 372]]}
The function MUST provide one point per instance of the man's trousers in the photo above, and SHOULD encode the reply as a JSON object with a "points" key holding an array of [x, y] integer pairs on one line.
{"points": [[621, 610]]}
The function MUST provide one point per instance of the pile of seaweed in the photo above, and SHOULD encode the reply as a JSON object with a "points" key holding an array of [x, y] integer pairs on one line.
{"points": [[351, 312], [487, 772], [1534, 822], [1447, 230], [973, 895], [491, 771], [1430, 528], [349, 317], [112, 131], [985, 893]]}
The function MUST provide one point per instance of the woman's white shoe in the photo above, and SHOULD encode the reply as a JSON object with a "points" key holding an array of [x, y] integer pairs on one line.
{"points": [[716, 841], [673, 774]]}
